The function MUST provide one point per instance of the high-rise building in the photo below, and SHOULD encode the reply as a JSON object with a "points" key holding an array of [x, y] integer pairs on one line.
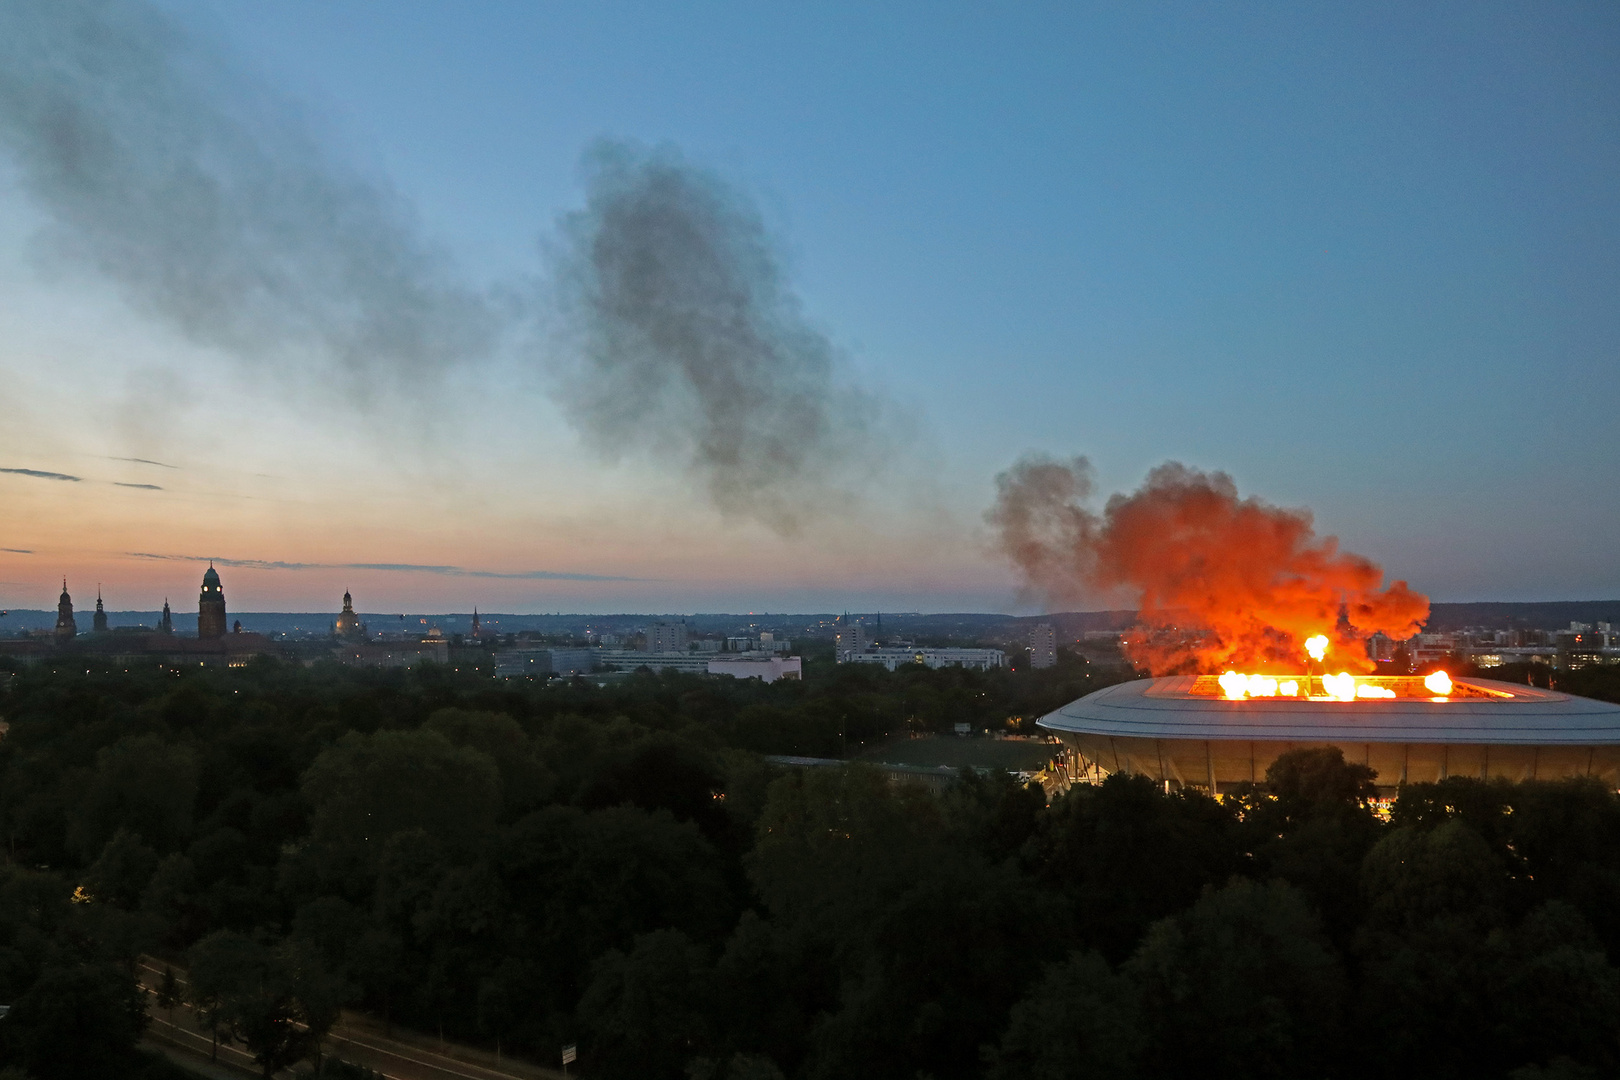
{"points": [[211, 607], [666, 637], [1042, 646], [99, 624], [66, 628], [851, 639]]}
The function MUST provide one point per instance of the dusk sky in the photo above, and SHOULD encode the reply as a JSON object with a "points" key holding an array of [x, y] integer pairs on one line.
{"points": [[335, 292]]}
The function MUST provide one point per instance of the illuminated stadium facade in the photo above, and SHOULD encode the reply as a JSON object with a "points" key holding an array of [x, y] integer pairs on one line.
{"points": [[1197, 731]]}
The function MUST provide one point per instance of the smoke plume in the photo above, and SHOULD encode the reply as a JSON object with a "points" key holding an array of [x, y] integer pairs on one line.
{"points": [[210, 206], [686, 342], [213, 209], [1220, 581]]}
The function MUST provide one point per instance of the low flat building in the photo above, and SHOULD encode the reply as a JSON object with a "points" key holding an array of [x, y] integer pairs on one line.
{"points": [[143, 648], [627, 660], [767, 667], [393, 654], [540, 663], [981, 659]]}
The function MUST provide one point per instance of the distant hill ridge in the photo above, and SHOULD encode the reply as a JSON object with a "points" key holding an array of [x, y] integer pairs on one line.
{"points": [[1503, 615]]}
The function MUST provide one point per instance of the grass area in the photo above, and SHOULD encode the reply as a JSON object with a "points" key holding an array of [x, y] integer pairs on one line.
{"points": [[955, 751]]}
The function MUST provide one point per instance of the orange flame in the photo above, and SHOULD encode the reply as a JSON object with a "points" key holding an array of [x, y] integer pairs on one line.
{"points": [[1221, 582]]}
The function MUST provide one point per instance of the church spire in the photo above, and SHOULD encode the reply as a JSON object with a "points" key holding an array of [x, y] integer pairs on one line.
{"points": [[66, 627]]}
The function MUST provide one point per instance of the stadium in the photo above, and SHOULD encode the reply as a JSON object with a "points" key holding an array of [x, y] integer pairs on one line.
{"points": [[1212, 733]]}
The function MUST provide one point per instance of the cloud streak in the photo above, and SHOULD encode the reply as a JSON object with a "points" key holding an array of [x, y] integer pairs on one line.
{"points": [[415, 568], [144, 461], [40, 474], [143, 487], [18, 551]]}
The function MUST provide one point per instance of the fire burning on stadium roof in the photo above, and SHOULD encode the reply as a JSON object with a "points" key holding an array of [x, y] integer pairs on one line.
{"points": [[1221, 583]]}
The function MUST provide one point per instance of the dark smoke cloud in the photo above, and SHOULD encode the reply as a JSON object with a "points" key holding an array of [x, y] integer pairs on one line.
{"points": [[210, 207], [214, 210], [685, 341]]}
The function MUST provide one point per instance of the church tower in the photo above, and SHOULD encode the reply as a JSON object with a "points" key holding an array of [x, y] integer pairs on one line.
{"points": [[477, 630], [100, 623], [211, 607], [166, 623], [66, 628]]}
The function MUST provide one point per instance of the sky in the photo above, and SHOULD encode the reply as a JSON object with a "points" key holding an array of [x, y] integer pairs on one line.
{"points": [[328, 291]]}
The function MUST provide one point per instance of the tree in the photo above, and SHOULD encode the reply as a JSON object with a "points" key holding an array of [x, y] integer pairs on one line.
{"points": [[736, 1067], [221, 966], [121, 872], [498, 1003], [169, 993], [317, 992], [644, 1011], [140, 783], [1080, 1022], [1413, 877], [583, 883], [1092, 846], [526, 782], [278, 1001], [370, 788], [77, 1022], [1430, 949], [1558, 995], [1311, 823], [1242, 984]]}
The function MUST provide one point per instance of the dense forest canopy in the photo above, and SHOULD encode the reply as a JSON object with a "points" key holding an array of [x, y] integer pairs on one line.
{"points": [[527, 865]]}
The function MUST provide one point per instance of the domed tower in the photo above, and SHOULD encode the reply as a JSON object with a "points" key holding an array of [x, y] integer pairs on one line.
{"points": [[211, 607], [100, 623], [348, 623], [66, 628]]}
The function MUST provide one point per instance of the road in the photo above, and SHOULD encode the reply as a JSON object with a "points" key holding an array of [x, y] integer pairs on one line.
{"points": [[355, 1039]]}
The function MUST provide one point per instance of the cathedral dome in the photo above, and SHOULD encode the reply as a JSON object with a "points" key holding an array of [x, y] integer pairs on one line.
{"points": [[348, 623]]}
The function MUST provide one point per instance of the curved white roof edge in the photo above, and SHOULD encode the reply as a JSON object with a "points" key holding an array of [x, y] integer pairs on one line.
{"points": [[1162, 709]]}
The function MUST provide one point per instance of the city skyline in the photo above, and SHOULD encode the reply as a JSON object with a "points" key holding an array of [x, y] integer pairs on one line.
{"points": [[1361, 261]]}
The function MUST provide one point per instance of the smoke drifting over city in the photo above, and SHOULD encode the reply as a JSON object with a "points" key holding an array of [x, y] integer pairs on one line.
{"points": [[214, 211], [1218, 580], [210, 207], [687, 341]]}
